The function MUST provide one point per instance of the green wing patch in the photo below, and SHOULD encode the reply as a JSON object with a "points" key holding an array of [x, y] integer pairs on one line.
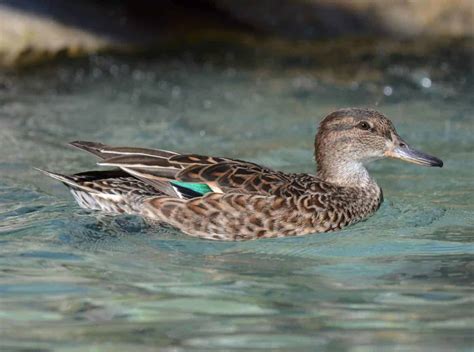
{"points": [[200, 188]]}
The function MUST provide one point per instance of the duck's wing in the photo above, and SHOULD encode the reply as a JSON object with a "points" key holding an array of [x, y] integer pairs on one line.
{"points": [[221, 175], [198, 173], [229, 175], [104, 151], [192, 175]]}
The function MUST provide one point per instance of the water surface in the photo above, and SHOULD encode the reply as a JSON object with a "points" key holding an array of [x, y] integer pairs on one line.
{"points": [[74, 280]]}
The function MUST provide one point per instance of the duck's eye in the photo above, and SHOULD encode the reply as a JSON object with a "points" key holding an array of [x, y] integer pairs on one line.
{"points": [[364, 126]]}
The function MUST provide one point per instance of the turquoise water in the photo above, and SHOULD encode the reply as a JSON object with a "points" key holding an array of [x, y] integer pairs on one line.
{"points": [[72, 280]]}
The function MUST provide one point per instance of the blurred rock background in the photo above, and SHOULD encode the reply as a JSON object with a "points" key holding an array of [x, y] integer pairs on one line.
{"points": [[34, 31]]}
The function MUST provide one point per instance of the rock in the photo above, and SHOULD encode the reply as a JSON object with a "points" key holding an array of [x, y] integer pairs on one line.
{"points": [[309, 19], [26, 38], [32, 31]]}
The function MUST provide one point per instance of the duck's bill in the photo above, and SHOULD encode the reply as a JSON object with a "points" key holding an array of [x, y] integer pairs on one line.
{"points": [[410, 155]]}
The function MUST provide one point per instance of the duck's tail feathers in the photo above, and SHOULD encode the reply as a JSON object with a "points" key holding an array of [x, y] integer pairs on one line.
{"points": [[113, 196], [69, 181]]}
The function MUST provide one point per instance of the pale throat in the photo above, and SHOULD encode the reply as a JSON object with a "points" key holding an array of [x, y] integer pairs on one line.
{"points": [[345, 173]]}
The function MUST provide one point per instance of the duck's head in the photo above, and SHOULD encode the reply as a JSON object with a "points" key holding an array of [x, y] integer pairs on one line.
{"points": [[350, 138]]}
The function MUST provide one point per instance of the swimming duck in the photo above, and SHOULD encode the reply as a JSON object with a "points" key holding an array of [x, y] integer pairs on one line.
{"points": [[227, 199]]}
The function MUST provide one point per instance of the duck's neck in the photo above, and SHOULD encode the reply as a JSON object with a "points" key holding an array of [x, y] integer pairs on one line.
{"points": [[342, 173]]}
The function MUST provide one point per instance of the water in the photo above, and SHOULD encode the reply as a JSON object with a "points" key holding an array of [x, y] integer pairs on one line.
{"points": [[73, 280]]}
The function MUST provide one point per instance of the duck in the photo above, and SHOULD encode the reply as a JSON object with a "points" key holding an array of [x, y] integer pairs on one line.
{"points": [[219, 198]]}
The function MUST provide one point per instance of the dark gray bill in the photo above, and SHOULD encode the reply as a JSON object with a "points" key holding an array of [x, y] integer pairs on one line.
{"points": [[414, 156]]}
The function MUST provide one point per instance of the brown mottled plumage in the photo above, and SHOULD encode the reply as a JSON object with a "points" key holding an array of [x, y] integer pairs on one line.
{"points": [[227, 199]]}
